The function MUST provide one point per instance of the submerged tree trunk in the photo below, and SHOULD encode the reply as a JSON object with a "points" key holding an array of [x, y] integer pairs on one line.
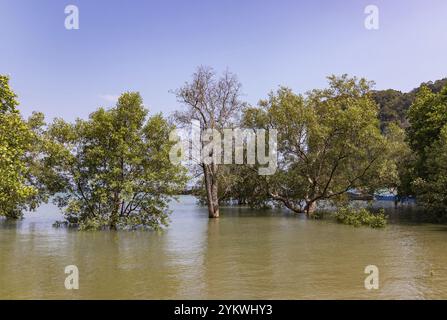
{"points": [[297, 207], [114, 217], [211, 192], [310, 208], [113, 220]]}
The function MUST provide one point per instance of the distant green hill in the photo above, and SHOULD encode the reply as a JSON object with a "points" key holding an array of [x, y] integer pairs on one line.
{"points": [[394, 104]]}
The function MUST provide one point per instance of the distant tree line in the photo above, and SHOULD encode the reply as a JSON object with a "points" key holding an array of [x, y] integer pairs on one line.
{"points": [[112, 170]]}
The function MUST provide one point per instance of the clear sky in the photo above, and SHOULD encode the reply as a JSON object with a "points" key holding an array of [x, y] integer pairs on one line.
{"points": [[154, 46]]}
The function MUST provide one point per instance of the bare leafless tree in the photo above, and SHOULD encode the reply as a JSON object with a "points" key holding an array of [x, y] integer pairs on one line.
{"points": [[215, 103]]}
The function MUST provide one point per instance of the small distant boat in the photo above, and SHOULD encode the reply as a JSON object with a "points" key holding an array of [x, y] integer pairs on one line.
{"points": [[354, 194], [385, 195]]}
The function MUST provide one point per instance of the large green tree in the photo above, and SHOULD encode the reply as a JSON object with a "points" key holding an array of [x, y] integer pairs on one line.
{"points": [[427, 136], [431, 188], [329, 141], [113, 170], [427, 116], [16, 141]]}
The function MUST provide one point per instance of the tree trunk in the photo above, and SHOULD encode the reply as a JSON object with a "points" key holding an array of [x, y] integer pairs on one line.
{"points": [[114, 217], [215, 200], [211, 192], [310, 208], [114, 220]]}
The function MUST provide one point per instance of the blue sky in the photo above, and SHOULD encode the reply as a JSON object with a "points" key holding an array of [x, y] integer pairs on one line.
{"points": [[154, 47]]}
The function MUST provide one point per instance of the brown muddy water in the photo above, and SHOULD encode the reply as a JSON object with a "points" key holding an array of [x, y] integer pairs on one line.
{"points": [[246, 254]]}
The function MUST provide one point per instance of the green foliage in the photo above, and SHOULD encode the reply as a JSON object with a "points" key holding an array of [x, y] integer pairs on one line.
{"points": [[16, 141], [361, 217], [113, 170]]}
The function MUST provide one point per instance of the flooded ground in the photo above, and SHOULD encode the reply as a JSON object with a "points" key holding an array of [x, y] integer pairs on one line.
{"points": [[247, 254]]}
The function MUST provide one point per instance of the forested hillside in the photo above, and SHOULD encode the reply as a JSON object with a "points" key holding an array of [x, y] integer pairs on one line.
{"points": [[394, 104]]}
